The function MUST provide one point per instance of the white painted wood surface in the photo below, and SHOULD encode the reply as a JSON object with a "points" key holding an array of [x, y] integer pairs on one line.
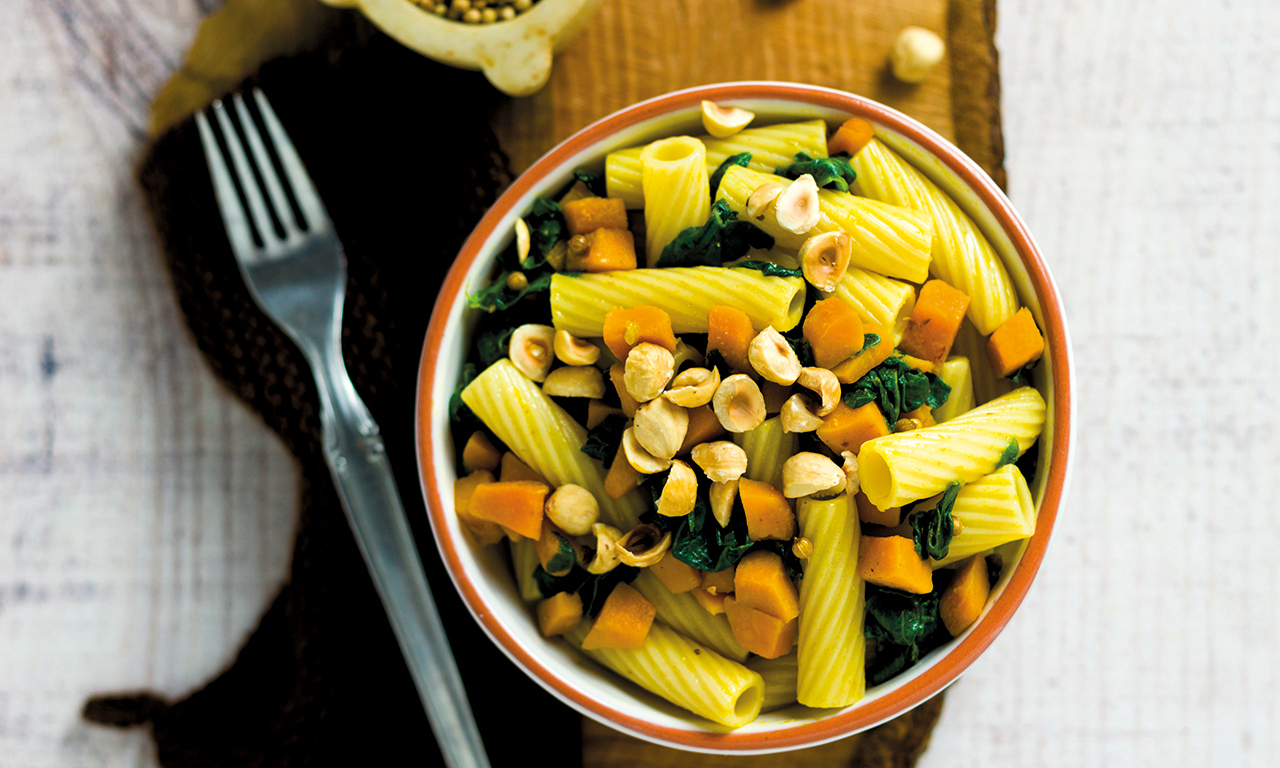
{"points": [[146, 517]]}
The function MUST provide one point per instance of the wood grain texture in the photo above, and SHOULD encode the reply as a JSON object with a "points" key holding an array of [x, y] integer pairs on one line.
{"points": [[636, 49]]}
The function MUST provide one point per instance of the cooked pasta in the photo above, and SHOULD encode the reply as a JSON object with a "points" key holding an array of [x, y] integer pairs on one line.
{"points": [[523, 559], [579, 303], [674, 179], [770, 147], [888, 239], [907, 466], [956, 373], [779, 680], [832, 646], [685, 673], [879, 300], [687, 616], [961, 254], [989, 512], [542, 435], [767, 447]]}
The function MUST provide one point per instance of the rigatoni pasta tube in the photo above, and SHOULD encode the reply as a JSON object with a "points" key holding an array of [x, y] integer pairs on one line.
{"points": [[987, 385], [524, 559], [920, 463], [961, 254], [579, 303], [879, 300], [767, 446], [686, 615], [674, 178], [770, 147], [832, 646], [888, 239], [542, 435], [779, 680], [989, 512], [957, 374], [686, 674]]}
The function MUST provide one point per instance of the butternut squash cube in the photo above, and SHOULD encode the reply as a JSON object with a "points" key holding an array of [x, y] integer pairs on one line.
{"points": [[834, 332], [846, 429], [515, 504], [514, 469], [623, 622], [758, 632], [559, 613], [870, 513], [485, 532], [761, 582], [769, 514], [589, 214], [964, 598], [676, 575], [1015, 343], [891, 561], [479, 453]]}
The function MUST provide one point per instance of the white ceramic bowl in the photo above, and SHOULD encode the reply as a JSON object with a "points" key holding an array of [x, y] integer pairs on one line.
{"points": [[482, 575]]}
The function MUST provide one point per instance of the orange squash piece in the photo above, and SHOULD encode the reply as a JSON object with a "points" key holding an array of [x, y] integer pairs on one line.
{"points": [[834, 332], [870, 513], [891, 561], [769, 514], [758, 632], [846, 429], [730, 331], [589, 214], [963, 599], [548, 546], [713, 603], [1015, 343], [485, 532], [597, 411], [609, 250], [924, 366], [514, 469], [515, 504], [623, 622], [934, 322], [704, 427], [851, 137], [761, 582], [861, 364], [617, 373], [559, 613], [720, 582], [622, 477], [625, 328], [676, 575], [479, 453]]}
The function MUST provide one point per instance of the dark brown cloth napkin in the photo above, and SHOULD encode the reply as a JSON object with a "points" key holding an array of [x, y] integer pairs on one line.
{"points": [[402, 153]]}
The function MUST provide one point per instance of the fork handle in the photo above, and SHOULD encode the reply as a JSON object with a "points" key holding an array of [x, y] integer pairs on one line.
{"points": [[358, 460]]}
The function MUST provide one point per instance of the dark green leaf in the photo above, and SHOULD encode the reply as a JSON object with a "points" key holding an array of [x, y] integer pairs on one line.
{"points": [[459, 413], [1023, 374], [549, 585], [826, 171], [546, 224], [563, 559], [697, 538], [768, 268], [497, 296], [1009, 454], [994, 566], [722, 238], [741, 159], [715, 359], [904, 627], [932, 529], [594, 182], [602, 441], [897, 388], [492, 345], [869, 340]]}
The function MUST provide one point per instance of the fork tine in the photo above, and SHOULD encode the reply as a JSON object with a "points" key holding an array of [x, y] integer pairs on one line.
{"points": [[224, 190], [268, 171], [303, 190], [257, 206]]}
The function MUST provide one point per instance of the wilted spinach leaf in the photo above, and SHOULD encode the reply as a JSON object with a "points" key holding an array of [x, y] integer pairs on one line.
{"points": [[498, 296], [723, 238], [594, 181], [564, 558], [546, 224], [904, 627], [549, 585], [834, 171], [768, 268], [492, 345], [742, 158], [459, 413], [897, 388], [1009, 454], [603, 439], [596, 588], [697, 538], [1023, 374], [932, 529]]}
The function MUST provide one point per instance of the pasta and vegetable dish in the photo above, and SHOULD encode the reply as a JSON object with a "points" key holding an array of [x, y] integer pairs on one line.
{"points": [[751, 411]]}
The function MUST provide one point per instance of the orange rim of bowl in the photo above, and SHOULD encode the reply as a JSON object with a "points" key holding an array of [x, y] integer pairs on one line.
{"points": [[946, 669]]}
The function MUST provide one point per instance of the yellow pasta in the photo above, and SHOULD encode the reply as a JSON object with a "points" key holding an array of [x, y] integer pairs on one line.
{"points": [[779, 680], [989, 512], [687, 616], [878, 299], [579, 303], [767, 447], [770, 147], [888, 239], [907, 466], [542, 435], [524, 558], [955, 373], [676, 197], [685, 673], [961, 254], [832, 647], [987, 386]]}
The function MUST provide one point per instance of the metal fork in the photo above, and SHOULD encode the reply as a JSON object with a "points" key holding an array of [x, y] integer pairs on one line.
{"points": [[299, 279]]}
